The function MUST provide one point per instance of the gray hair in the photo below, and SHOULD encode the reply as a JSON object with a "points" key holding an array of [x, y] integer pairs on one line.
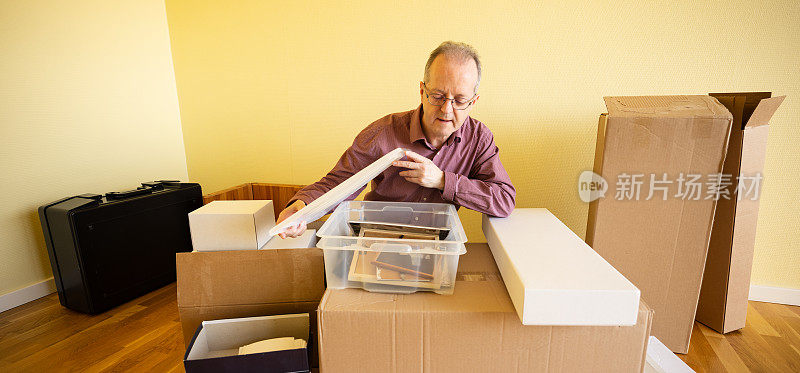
{"points": [[461, 51]]}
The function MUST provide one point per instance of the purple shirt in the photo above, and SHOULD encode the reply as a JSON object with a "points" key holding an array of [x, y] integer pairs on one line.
{"points": [[473, 175]]}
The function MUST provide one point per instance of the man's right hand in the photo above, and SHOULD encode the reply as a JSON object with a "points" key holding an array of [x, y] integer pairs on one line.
{"points": [[297, 230]]}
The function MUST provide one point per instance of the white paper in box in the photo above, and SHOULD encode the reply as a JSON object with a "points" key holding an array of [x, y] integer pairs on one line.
{"points": [[553, 277]]}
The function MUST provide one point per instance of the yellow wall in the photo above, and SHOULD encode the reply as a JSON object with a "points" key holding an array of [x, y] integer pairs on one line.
{"points": [[87, 104], [275, 91]]}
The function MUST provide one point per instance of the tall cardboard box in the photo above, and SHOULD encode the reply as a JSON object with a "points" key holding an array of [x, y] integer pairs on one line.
{"points": [[726, 282], [474, 330], [659, 242], [244, 283]]}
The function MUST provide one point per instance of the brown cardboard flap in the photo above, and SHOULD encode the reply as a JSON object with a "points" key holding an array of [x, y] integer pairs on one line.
{"points": [[249, 277], [741, 104], [665, 106], [764, 111]]}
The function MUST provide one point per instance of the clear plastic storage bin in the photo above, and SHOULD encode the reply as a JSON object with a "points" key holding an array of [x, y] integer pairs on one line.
{"points": [[392, 247]]}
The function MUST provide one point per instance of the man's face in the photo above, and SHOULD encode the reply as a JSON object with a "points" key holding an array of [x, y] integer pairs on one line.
{"points": [[451, 78]]}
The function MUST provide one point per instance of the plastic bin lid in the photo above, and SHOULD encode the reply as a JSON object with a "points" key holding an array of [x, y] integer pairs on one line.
{"points": [[318, 207]]}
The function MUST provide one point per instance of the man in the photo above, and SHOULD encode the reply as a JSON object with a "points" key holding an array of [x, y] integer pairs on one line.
{"points": [[452, 157]]}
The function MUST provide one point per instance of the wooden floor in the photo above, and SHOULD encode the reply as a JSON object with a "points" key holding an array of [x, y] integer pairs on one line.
{"points": [[145, 335], [770, 342]]}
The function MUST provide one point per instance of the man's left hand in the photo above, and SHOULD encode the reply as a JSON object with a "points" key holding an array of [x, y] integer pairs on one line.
{"points": [[421, 171]]}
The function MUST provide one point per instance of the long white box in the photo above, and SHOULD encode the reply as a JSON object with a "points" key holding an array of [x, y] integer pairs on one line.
{"points": [[553, 277], [231, 225]]}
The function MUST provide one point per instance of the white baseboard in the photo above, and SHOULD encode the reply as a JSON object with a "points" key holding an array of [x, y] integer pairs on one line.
{"points": [[27, 294], [771, 294]]}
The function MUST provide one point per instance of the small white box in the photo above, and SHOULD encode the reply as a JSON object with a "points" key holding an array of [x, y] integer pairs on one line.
{"points": [[553, 277], [231, 225], [306, 240]]}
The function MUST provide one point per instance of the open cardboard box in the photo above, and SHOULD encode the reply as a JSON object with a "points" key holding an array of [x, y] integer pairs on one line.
{"points": [[243, 283], [726, 282], [215, 345]]}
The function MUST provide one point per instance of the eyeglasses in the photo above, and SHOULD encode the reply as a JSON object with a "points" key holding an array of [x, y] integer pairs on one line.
{"points": [[437, 99]]}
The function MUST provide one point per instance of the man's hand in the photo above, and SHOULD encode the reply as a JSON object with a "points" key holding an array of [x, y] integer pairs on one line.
{"points": [[294, 231], [421, 171]]}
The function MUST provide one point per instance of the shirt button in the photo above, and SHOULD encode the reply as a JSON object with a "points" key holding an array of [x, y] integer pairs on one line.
{"points": [[425, 198]]}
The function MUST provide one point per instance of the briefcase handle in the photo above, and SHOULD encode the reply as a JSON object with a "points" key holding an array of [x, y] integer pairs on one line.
{"points": [[161, 184], [112, 196], [146, 188]]}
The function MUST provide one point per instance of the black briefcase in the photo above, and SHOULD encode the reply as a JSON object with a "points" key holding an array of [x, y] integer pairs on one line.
{"points": [[107, 250]]}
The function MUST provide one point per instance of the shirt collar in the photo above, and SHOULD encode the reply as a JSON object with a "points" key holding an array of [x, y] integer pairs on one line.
{"points": [[415, 131]]}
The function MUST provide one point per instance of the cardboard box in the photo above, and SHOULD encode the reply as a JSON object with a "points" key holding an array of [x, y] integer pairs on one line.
{"points": [[231, 225], [726, 282], [553, 277], [660, 243], [230, 284], [475, 329], [215, 345]]}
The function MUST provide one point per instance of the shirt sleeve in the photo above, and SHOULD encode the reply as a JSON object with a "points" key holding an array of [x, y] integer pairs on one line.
{"points": [[358, 156], [488, 187]]}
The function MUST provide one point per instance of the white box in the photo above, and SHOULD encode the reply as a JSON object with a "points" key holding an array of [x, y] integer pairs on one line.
{"points": [[306, 240], [553, 277], [231, 225]]}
